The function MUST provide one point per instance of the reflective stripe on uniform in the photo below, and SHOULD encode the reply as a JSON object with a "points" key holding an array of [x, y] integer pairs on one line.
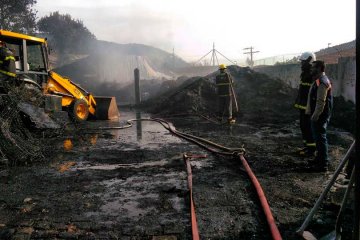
{"points": [[300, 106], [8, 73], [9, 58], [311, 144], [305, 83]]}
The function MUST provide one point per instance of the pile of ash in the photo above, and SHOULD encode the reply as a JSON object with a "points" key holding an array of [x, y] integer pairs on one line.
{"points": [[260, 98], [22, 120], [17, 144]]}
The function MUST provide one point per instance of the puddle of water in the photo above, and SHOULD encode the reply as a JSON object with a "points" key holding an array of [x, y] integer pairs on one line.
{"points": [[65, 166], [130, 165], [283, 135], [129, 205], [157, 181], [200, 164], [129, 197], [177, 203], [68, 145], [143, 134], [258, 135]]}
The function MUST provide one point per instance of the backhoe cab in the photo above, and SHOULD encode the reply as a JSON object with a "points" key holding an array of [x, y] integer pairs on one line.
{"points": [[32, 67]]}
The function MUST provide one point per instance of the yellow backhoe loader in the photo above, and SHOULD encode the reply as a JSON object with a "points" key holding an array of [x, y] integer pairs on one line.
{"points": [[32, 67]]}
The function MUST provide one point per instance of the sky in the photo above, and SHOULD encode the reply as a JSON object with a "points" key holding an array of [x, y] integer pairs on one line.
{"points": [[190, 27]]}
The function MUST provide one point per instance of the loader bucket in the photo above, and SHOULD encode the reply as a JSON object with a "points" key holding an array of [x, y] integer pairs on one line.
{"points": [[106, 108]]}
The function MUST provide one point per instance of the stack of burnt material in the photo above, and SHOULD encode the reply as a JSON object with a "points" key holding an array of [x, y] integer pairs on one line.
{"points": [[17, 144], [260, 97]]}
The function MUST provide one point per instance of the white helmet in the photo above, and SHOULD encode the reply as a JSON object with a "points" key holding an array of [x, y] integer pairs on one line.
{"points": [[304, 56]]}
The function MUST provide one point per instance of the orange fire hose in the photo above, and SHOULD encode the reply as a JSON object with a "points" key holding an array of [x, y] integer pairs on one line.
{"points": [[275, 233], [194, 226], [227, 152], [269, 217]]}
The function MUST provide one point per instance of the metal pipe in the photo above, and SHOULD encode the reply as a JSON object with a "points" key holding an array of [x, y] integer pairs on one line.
{"points": [[340, 216], [300, 231], [137, 86]]}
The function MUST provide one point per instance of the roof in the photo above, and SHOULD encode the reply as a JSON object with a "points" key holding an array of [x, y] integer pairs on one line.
{"points": [[337, 48], [21, 36]]}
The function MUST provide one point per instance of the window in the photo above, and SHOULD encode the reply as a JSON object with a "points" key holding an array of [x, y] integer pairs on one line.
{"points": [[35, 58]]}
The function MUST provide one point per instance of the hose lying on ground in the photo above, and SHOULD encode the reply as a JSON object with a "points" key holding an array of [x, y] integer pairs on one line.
{"points": [[221, 150]]}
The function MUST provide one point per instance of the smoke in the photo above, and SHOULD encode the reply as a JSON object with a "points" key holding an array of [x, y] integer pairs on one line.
{"points": [[273, 27]]}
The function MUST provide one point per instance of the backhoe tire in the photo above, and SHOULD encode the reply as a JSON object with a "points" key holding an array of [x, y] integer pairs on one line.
{"points": [[79, 110]]}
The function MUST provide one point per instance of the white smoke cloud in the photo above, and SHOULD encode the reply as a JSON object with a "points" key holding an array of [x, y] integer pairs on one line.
{"points": [[273, 27]]}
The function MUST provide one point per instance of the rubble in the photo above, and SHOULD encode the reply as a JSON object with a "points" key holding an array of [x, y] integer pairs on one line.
{"points": [[17, 144], [131, 184], [260, 98]]}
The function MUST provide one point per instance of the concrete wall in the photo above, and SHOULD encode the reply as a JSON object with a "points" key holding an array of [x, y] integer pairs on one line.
{"points": [[342, 75]]}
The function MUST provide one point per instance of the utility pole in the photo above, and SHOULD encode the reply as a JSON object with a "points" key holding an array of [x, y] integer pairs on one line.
{"points": [[251, 54], [213, 56], [173, 58]]}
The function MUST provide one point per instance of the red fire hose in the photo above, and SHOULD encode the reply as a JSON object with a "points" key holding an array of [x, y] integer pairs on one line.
{"points": [[224, 151], [194, 226], [269, 217]]}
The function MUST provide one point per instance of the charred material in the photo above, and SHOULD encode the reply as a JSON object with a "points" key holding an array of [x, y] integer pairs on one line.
{"points": [[17, 144]]}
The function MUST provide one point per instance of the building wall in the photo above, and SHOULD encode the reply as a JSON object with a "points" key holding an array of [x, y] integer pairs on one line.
{"points": [[342, 75], [333, 54], [333, 58]]}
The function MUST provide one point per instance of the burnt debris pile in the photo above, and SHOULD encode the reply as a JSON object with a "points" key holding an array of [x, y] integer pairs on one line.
{"points": [[17, 144], [260, 97]]}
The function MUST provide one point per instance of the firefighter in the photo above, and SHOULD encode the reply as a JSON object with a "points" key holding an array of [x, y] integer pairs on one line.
{"points": [[319, 106], [224, 90], [305, 125], [7, 67]]}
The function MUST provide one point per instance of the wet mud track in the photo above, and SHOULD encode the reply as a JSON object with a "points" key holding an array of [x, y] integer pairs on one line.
{"points": [[131, 184]]}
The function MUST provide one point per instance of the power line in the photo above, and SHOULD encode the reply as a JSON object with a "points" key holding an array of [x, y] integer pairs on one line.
{"points": [[251, 54], [214, 57]]}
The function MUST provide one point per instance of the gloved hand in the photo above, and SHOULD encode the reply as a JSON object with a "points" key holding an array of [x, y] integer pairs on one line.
{"points": [[315, 117]]}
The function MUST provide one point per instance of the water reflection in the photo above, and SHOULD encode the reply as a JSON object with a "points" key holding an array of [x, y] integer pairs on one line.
{"points": [[68, 145], [138, 126], [93, 139]]}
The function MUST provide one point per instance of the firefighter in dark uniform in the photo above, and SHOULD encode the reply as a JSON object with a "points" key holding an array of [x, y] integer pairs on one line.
{"points": [[7, 67], [319, 107], [305, 125], [224, 90]]}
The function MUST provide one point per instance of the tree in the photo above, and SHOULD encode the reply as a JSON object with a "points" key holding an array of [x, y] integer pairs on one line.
{"points": [[68, 35], [18, 15]]}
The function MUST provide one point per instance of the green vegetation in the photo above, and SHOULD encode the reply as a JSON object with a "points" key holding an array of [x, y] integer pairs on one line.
{"points": [[18, 15], [68, 34]]}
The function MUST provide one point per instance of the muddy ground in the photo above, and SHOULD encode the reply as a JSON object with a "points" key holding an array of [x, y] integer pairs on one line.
{"points": [[131, 183]]}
